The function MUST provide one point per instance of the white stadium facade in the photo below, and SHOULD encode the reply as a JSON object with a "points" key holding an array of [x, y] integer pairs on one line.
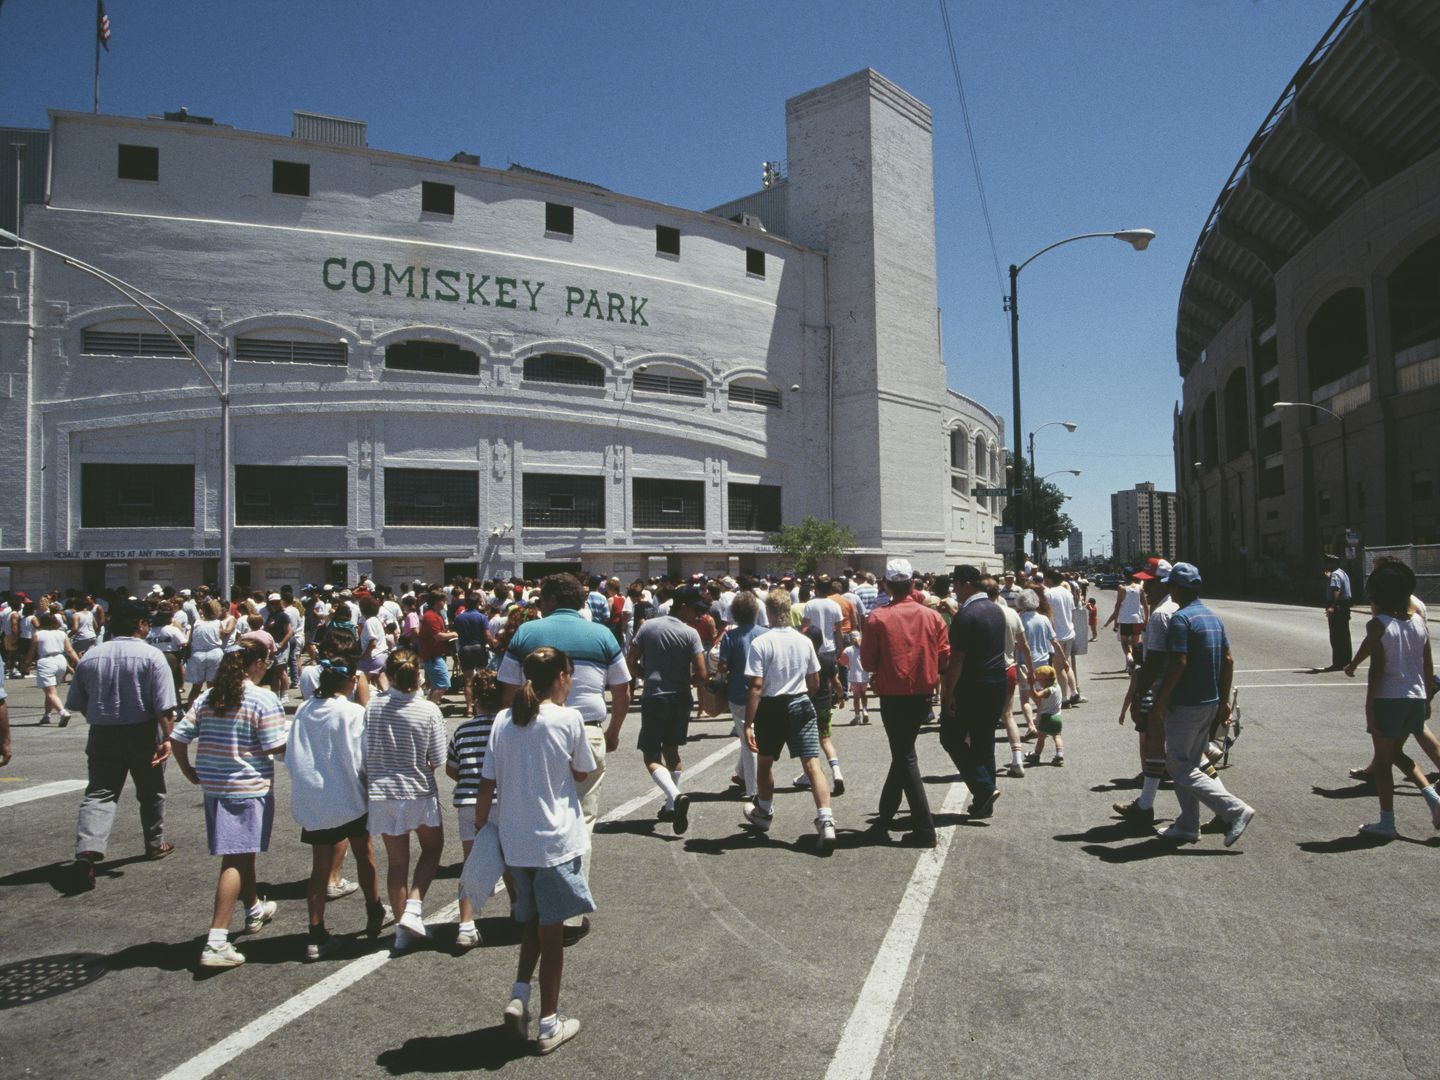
{"points": [[442, 368]]}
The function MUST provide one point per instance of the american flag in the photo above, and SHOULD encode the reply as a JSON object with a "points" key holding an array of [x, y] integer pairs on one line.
{"points": [[102, 24]]}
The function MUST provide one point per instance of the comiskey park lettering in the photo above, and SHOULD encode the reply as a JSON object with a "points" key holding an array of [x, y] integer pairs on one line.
{"points": [[463, 287]]}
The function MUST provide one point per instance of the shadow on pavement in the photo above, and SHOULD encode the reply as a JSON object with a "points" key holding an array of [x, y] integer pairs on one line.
{"points": [[1360, 842], [1108, 833], [1356, 791], [1126, 783], [1154, 848], [750, 838], [489, 1048], [61, 876]]}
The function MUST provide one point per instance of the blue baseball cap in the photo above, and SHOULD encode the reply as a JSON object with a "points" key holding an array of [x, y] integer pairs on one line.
{"points": [[1186, 575]]}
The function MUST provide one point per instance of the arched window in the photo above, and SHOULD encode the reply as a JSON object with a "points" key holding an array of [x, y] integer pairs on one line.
{"points": [[1336, 341], [959, 449], [1415, 299], [436, 357], [1210, 432], [981, 457], [753, 392], [290, 346], [133, 337], [668, 380], [1237, 415], [563, 369]]}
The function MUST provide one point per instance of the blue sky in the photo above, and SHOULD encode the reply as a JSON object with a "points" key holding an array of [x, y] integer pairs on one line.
{"points": [[1087, 115]]}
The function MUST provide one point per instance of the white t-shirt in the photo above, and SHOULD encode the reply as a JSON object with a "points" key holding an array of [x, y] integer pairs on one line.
{"points": [[1062, 611], [857, 672], [373, 629], [1132, 605], [325, 754], [538, 815], [297, 622], [1159, 626], [782, 657], [762, 617], [825, 615]]}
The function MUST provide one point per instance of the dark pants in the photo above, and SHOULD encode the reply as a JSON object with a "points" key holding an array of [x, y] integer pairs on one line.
{"points": [[968, 735], [114, 752], [1339, 620], [902, 715]]}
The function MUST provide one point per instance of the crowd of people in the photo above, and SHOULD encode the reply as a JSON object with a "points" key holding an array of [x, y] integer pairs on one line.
{"points": [[549, 671]]}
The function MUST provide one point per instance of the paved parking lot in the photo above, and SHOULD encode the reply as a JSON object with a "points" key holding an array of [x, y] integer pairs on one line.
{"points": [[1050, 940]]}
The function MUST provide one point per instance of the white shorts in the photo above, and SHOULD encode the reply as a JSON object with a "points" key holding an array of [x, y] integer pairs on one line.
{"points": [[202, 667], [398, 817], [465, 822], [49, 670]]}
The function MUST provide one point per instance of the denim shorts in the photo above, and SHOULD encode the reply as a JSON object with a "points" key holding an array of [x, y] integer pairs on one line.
{"points": [[664, 721], [437, 673], [550, 894]]}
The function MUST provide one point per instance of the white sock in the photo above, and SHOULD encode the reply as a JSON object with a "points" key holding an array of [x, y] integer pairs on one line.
{"points": [[666, 783], [256, 911], [413, 907], [549, 1025], [1431, 795], [825, 813], [1147, 792], [466, 926], [675, 775], [218, 938], [764, 805], [520, 990], [835, 768], [1017, 756]]}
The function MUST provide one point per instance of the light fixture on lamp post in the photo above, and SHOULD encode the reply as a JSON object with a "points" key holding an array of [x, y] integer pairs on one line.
{"points": [[144, 302], [1069, 426], [1035, 501], [1139, 239]]}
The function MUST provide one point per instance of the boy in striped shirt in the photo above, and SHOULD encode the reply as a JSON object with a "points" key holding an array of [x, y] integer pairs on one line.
{"points": [[463, 760]]}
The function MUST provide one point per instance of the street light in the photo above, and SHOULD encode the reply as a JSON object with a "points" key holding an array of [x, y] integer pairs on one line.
{"points": [[1344, 453], [1224, 517], [1139, 239], [144, 301], [1035, 486], [1069, 426]]}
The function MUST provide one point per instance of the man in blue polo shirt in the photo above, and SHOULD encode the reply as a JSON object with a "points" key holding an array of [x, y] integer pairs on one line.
{"points": [[1195, 693], [599, 663]]}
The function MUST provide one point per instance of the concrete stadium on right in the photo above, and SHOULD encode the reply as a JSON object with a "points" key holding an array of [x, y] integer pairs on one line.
{"points": [[1308, 330]]}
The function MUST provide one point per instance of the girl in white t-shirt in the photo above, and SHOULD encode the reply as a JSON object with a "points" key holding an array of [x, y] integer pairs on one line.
{"points": [[51, 656], [537, 754], [857, 678]]}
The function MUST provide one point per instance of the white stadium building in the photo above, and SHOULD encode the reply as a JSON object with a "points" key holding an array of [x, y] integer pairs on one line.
{"points": [[440, 368]]}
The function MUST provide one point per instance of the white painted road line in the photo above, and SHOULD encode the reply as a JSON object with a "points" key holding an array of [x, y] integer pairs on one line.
{"points": [[871, 1021], [40, 791], [262, 1027]]}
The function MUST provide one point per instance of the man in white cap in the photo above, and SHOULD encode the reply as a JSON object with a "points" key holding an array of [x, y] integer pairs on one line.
{"points": [[904, 649]]}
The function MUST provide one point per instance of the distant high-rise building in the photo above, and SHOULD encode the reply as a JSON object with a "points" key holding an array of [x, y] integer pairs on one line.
{"points": [[1144, 521], [1077, 547]]}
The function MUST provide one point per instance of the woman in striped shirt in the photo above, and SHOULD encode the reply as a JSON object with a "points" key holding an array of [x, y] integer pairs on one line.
{"points": [[404, 745], [237, 728]]}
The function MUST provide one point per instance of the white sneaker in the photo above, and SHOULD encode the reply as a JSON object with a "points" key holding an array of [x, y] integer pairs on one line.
{"points": [[253, 923], [467, 939], [1179, 835], [801, 781], [403, 939], [1376, 828], [566, 1028], [343, 887], [759, 818], [517, 1017], [1239, 825], [226, 956], [414, 925], [825, 834]]}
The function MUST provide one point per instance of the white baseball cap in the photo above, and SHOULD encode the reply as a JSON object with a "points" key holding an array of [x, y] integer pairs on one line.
{"points": [[898, 570], [272, 596]]}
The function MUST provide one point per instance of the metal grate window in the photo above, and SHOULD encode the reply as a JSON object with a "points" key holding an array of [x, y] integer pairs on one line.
{"points": [[754, 507], [447, 498], [289, 495], [676, 385], [266, 351], [439, 357], [669, 504], [132, 343], [574, 502], [754, 394], [137, 496], [563, 369]]}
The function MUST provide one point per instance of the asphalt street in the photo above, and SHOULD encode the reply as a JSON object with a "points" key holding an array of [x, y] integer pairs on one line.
{"points": [[1050, 940]]}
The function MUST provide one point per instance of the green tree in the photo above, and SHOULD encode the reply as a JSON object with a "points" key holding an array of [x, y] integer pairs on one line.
{"points": [[811, 542], [1044, 515]]}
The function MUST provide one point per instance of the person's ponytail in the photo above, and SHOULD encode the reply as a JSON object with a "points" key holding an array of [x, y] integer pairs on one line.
{"points": [[542, 668], [229, 688]]}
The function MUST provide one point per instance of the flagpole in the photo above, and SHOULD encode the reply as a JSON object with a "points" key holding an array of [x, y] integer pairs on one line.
{"points": [[97, 61]]}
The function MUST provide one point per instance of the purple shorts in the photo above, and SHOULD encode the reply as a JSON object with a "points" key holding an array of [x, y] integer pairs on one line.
{"points": [[239, 826], [374, 663]]}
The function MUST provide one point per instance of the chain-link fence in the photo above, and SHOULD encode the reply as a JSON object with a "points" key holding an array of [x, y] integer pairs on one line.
{"points": [[1424, 559]]}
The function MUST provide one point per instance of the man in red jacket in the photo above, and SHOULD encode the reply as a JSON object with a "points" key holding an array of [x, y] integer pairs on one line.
{"points": [[905, 649]]}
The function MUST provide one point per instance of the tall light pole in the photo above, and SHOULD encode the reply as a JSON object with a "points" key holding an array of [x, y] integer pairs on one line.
{"points": [[1035, 485], [145, 303], [1139, 239], [1344, 453]]}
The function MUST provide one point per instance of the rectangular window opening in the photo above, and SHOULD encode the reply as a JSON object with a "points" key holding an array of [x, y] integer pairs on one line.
{"points": [[667, 240], [669, 504], [133, 343], [755, 262], [290, 178], [563, 502], [755, 507], [290, 495], [559, 218], [444, 498], [437, 198], [266, 351], [139, 163], [137, 496]]}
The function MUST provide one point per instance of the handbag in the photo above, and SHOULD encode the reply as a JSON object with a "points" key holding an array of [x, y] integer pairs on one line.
{"points": [[484, 867]]}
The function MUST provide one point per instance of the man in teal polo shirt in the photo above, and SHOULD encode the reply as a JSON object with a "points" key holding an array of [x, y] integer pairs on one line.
{"points": [[598, 662]]}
